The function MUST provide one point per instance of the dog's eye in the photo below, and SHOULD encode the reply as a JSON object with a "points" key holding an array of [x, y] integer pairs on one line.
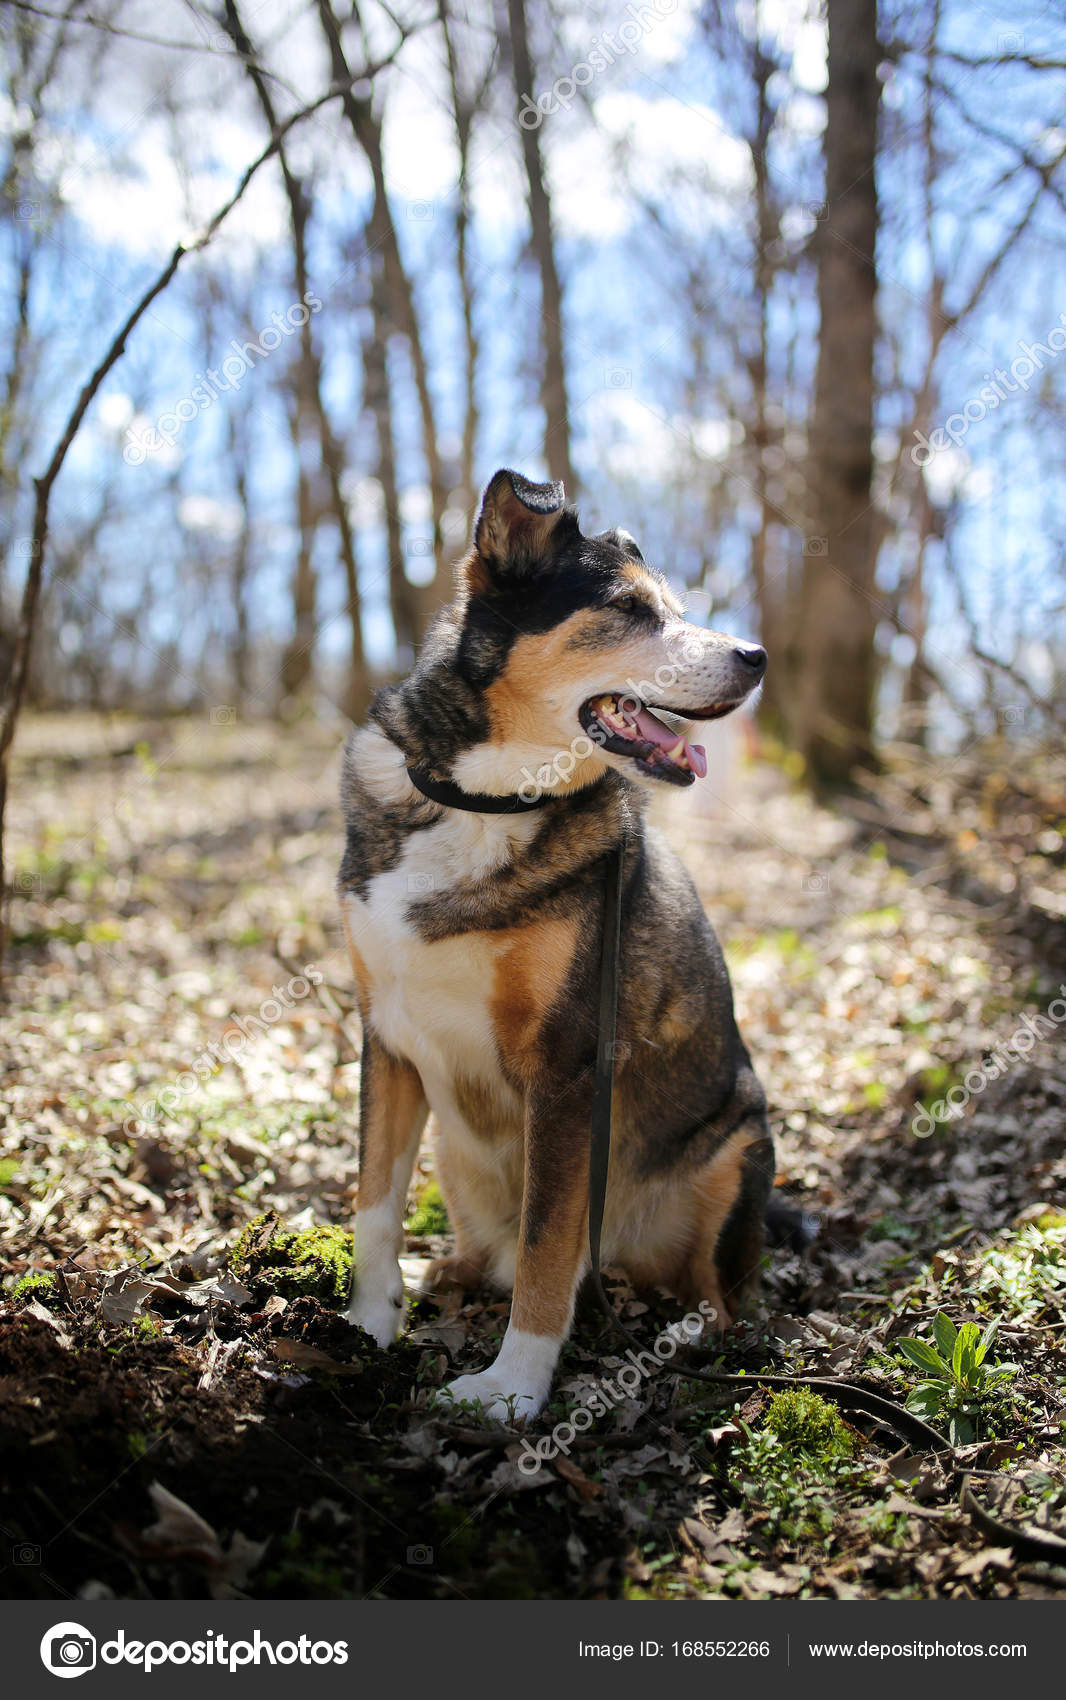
{"points": [[630, 605]]}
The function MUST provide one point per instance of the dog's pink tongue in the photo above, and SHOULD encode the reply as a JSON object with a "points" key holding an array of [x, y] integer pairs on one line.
{"points": [[654, 732]]}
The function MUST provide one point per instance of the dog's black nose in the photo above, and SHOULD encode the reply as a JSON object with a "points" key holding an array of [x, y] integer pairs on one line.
{"points": [[753, 656]]}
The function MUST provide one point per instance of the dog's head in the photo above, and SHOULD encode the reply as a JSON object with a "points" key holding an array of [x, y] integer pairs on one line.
{"points": [[574, 646]]}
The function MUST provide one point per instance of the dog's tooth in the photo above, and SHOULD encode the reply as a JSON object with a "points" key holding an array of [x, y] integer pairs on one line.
{"points": [[678, 751]]}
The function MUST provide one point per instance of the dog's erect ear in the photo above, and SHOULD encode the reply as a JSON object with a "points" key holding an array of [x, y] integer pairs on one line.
{"points": [[625, 541], [516, 528]]}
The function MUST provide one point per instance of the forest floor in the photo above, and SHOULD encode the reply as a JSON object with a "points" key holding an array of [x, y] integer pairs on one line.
{"points": [[180, 1420]]}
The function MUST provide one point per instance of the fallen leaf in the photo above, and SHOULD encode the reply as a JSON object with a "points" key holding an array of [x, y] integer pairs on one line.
{"points": [[309, 1357], [577, 1478]]}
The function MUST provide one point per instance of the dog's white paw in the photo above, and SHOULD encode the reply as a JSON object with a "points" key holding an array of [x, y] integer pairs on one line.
{"points": [[499, 1398], [381, 1314]]}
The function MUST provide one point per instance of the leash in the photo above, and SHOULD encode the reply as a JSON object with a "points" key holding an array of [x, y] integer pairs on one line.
{"points": [[849, 1394]]}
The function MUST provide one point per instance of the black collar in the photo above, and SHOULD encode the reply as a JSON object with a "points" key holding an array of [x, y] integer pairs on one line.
{"points": [[452, 796]]}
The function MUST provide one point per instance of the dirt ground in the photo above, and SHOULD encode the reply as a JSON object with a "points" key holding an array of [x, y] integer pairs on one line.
{"points": [[180, 1060]]}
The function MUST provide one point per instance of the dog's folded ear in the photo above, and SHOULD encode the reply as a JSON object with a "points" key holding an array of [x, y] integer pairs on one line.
{"points": [[517, 529], [623, 540]]}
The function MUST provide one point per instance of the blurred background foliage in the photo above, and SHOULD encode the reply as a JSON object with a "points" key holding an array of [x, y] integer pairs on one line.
{"points": [[778, 286]]}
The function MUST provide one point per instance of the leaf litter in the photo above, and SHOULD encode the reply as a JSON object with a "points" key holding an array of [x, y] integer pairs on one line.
{"points": [[170, 1427]]}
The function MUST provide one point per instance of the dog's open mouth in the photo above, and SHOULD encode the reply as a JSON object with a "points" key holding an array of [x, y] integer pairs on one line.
{"points": [[617, 724]]}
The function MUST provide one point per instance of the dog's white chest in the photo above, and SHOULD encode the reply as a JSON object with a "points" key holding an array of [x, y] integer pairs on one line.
{"points": [[430, 1001]]}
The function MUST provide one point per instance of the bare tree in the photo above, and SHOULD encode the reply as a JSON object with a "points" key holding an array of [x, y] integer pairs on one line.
{"points": [[404, 601], [553, 394], [310, 413], [832, 677], [467, 99], [366, 127]]}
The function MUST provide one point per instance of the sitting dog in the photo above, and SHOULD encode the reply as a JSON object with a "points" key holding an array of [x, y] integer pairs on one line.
{"points": [[475, 938]]}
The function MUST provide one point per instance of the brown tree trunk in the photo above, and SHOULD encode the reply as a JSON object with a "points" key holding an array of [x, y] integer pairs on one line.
{"points": [[833, 676], [240, 657], [298, 658], [366, 128], [769, 594], [404, 601], [468, 96], [553, 372], [357, 692]]}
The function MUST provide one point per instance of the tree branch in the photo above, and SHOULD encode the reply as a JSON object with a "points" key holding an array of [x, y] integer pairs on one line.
{"points": [[16, 682]]}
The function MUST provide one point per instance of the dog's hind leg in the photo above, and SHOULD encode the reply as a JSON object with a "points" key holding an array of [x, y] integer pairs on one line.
{"points": [[481, 1181], [468, 1264], [731, 1195], [393, 1111]]}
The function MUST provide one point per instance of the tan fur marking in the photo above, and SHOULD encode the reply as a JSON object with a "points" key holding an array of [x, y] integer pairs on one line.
{"points": [[638, 579], [395, 1102], [359, 968], [472, 575], [515, 700], [674, 1026], [481, 1109], [544, 1279], [483, 1198], [530, 973], [715, 1189]]}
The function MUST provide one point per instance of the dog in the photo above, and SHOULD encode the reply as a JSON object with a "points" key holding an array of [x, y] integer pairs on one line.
{"points": [[475, 941]]}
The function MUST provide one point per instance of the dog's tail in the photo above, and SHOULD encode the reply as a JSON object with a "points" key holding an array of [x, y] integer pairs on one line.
{"points": [[787, 1225]]}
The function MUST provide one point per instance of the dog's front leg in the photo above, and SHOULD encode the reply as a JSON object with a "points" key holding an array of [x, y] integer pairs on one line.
{"points": [[552, 1257], [393, 1112]]}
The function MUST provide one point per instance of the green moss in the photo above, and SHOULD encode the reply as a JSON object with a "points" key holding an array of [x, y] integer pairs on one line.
{"points": [[35, 1286], [808, 1426], [316, 1263], [9, 1168], [429, 1215]]}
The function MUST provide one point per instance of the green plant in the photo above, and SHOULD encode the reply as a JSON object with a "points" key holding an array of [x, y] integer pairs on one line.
{"points": [[36, 1286], [271, 1259], [429, 1215], [958, 1384], [1028, 1272], [797, 1466], [808, 1426]]}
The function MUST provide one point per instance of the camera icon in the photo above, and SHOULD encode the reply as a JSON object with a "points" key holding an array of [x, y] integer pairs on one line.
{"points": [[24, 882], [68, 1650], [419, 546], [816, 882], [27, 547], [618, 378], [1012, 715], [420, 211], [223, 716], [1012, 42], [818, 210], [419, 884], [420, 1555], [25, 1554], [816, 545], [27, 210], [619, 1050]]}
